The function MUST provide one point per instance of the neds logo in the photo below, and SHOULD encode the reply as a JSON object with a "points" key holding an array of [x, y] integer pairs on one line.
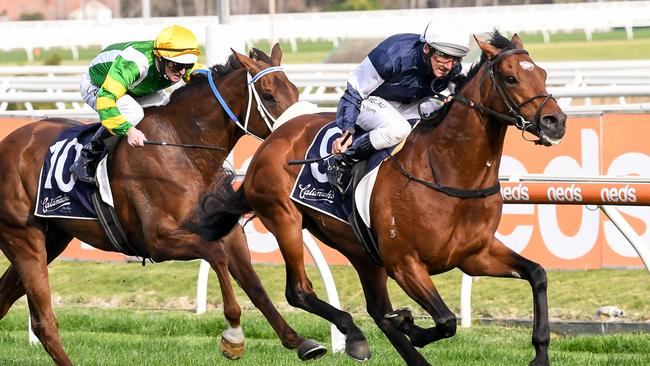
{"points": [[564, 194], [624, 194], [518, 193]]}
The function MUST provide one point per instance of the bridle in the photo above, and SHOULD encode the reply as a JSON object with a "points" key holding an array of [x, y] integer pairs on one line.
{"points": [[515, 118], [269, 120]]}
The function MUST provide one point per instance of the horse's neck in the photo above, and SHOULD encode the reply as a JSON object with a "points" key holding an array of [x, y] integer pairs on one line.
{"points": [[466, 147], [197, 118]]}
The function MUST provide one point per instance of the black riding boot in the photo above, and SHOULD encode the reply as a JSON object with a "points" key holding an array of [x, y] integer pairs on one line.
{"points": [[84, 167], [361, 149]]}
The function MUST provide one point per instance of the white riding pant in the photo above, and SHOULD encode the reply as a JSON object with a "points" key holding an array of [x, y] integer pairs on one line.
{"points": [[130, 108], [386, 121]]}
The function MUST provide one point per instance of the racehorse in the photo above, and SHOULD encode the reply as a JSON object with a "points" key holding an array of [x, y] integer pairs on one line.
{"points": [[434, 205], [156, 191]]}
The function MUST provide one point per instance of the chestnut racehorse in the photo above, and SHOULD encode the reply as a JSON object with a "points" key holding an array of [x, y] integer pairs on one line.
{"points": [[156, 191], [435, 204]]}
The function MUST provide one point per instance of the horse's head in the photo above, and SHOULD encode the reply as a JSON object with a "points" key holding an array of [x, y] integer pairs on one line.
{"points": [[520, 87], [271, 89]]}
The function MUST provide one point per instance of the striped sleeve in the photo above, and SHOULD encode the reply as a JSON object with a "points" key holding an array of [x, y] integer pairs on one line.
{"points": [[123, 72]]}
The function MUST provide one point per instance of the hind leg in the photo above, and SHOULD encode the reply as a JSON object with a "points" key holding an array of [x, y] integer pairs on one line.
{"points": [[25, 248], [373, 279], [497, 260], [11, 287], [241, 269], [287, 229]]}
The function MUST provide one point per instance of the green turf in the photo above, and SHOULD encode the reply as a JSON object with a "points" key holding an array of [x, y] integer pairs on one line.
{"points": [[572, 295], [125, 337]]}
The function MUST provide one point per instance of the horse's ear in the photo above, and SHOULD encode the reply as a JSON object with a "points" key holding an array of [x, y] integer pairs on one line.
{"points": [[244, 60], [276, 55], [489, 50], [517, 41]]}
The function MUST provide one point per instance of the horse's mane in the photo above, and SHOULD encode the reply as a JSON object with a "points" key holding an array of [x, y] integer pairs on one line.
{"points": [[220, 70], [498, 41]]}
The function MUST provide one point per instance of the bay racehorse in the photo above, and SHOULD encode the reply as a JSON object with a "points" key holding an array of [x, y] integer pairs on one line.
{"points": [[156, 191], [435, 204]]}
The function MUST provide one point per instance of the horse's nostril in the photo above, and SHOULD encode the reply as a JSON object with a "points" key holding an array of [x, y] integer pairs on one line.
{"points": [[550, 121]]}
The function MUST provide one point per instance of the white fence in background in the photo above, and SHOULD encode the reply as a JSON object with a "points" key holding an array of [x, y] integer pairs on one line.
{"points": [[324, 84], [547, 18]]}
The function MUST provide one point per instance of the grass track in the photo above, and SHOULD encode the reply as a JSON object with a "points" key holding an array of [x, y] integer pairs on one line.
{"points": [[124, 337]]}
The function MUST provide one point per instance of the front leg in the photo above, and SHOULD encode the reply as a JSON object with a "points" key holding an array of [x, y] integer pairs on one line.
{"points": [[497, 260]]}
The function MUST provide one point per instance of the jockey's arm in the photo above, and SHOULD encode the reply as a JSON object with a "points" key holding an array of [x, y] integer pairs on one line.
{"points": [[121, 74], [365, 79]]}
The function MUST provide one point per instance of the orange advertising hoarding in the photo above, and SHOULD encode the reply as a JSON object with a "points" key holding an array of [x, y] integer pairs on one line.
{"points": [[556, 236]]}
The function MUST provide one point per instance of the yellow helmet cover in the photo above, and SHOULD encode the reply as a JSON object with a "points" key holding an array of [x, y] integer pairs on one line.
{"points": [[177, 44]]}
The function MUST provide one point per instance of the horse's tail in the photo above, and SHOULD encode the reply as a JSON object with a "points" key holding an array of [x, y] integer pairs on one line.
{"points": [[220, 210]]}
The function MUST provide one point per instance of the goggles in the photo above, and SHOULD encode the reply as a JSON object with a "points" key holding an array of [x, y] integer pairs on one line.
{"points": [[444, 58], [178, 67]]}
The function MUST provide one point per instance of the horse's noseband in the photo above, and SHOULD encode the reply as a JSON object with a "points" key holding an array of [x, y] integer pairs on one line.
{"points": [[518, 121], [252, 93]]}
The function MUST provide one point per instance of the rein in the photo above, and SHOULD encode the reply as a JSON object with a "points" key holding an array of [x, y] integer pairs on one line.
{"points": [[449, 191], [264, 113], [517, 120]]}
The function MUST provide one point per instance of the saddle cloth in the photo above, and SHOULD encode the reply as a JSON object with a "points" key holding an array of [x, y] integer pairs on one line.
{"points": [[60, 195], [312, 188]]}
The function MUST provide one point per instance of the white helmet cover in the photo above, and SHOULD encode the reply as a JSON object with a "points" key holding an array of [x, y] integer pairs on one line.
{"points": [[447, 39]]}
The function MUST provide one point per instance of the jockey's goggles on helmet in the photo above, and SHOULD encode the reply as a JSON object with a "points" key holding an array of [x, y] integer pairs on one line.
{"points": [[444, 58], [178, 67]]}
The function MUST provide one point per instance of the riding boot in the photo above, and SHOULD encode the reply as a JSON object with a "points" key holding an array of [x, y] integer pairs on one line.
{"points": [[84, 167], [361, 149]]}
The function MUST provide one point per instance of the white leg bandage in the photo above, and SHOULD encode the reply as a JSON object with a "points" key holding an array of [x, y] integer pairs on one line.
{"points": [[233, 335]]}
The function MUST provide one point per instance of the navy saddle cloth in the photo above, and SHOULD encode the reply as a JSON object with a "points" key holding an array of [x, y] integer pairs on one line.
{"points": [[59, 193], [312, 188]]}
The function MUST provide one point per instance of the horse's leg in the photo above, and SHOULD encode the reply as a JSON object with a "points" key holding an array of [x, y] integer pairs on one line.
{"points": [[232, 339], [25, 248], [373, 280], [414, 279], [497, 260], [299, 291], [11, 287], [241, 269]]}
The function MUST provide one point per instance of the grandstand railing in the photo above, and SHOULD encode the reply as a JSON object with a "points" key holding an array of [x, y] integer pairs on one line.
{"points": [[324, 84]]}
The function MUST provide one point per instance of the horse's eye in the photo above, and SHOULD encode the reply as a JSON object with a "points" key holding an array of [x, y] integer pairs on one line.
{"points": [[511, 80], [268, 97]]}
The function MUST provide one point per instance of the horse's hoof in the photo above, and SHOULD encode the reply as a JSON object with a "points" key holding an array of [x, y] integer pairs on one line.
{"points": [[400, 317], [358, 350], [310, 350], [230, 350]]}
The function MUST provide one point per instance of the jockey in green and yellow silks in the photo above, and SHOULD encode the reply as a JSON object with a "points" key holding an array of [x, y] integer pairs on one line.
{"points": [[123, 78]]}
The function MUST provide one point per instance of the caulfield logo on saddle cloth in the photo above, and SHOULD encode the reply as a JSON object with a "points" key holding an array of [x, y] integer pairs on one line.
{"points": [[312, 188], [59, 195]]}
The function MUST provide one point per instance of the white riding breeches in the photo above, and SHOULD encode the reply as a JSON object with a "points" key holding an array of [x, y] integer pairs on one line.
{"points": [[130, 108], [386, 121]]}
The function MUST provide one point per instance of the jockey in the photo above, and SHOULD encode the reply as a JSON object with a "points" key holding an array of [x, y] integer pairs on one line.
{"points": [[384, 90], [124, 77]]}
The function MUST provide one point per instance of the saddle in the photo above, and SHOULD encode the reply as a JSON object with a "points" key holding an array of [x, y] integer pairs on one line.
{"points": [[105, 210], [364, 234]]}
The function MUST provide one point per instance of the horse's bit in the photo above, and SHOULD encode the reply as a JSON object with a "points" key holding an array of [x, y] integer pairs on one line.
{"points": [[264, 113]]}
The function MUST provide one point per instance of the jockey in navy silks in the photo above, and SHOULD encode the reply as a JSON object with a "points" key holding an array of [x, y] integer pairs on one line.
{"points": [[383, 92]]}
